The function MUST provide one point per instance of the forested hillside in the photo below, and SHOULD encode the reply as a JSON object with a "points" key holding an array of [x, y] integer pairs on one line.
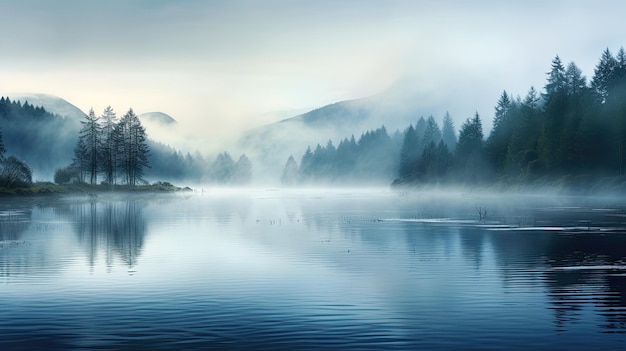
{"points": [[572, 131], [41, 139], [94, 150]]}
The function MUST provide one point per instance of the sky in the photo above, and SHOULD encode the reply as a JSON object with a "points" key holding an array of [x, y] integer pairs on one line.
{"points": [[220, 67]]}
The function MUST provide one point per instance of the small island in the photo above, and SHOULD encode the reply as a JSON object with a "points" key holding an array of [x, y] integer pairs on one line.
{"points": [[119, 151], [49, 188]]}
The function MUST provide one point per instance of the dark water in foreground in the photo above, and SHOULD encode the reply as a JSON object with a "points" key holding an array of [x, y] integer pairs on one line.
{"points": [[313, 270]]}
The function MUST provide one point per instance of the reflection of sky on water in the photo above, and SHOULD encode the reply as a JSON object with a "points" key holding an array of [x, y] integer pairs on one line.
{"points": [[408, 266]]}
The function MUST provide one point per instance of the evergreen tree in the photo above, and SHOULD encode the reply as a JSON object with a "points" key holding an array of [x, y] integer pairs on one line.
{"points": [[420, 130], [409, 153], [223, 168], [242, 173], [377, 157], [522, 150], [135, 150], [448, 134], [576, 83], [2, 149], [470, 137], [80, 162], [306, 164], [498, 142], [469, 152], [290, 172], [555, 111], [345, 157], [330, 161], [90, 135], [432, 134], [371, 158], [620, 68], [579, 105], [109, 145], [532, 101], [445, 160], [434, 163], [420, 127], [556, 79], [603, 76], [317, 161]]}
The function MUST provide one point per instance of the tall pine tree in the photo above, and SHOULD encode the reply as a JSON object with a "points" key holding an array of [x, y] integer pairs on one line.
{"points": [[498, 142], [109, 145], [603, 76], [448, 134], [470, 158], [409, 153], [134, 147], [90, 134], [2, 149]]}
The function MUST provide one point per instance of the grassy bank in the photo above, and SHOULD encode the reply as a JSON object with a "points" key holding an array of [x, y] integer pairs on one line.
{"points": [[48, 188]]}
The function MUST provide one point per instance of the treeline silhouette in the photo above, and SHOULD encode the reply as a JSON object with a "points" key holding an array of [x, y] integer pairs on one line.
{"points": [[171, 164], [34, 135], [43, 143], [117, 150], [573, 132], [364, 160], [121, 151]]}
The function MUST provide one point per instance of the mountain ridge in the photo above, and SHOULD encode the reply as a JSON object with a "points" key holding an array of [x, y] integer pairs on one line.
{"points": [[157, 117], [51, 103]]}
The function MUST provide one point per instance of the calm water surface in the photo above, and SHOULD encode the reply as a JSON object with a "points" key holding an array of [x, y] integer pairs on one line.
{"points": [[317, 269]]}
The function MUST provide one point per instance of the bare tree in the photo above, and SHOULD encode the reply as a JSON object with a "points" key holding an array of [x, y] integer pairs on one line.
{"points": [[15, 172]]}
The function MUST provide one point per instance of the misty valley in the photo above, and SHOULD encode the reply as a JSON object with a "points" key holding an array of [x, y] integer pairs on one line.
{"points": [[313, 269], [569, 137], [363, 224]]}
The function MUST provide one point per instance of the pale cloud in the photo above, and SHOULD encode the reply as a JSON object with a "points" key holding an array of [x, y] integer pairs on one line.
{"points": [[213, 65]]}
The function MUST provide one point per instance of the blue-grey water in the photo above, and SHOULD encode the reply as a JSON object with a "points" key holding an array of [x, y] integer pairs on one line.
{"points": [[313, 269]]}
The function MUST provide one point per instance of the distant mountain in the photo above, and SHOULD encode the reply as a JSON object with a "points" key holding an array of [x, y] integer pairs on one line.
{"points": [[51, 103], [162, 127], [393, 109], [157, 118], [272, 144]]}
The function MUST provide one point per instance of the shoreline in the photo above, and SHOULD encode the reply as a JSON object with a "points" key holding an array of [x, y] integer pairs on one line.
{"points": [[49, 188]]}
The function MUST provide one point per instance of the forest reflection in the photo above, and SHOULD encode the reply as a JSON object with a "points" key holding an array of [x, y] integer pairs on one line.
{"points": [[14, 220], [111, 228], [581, 270], [579, 264], [578, 271]]}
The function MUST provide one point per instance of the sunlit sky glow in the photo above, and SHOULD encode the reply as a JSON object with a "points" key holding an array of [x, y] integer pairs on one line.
{"points": [[222, 66]]}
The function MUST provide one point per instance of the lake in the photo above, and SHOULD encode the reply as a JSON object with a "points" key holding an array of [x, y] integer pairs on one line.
{"points": [[256, 269]]}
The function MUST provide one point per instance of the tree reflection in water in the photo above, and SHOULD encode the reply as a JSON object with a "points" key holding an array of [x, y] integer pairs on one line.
{"points": [[115, 228], [573, 254], [14, 221], [581, 268]]}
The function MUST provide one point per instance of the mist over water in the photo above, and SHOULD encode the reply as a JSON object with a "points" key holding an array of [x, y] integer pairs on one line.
{"points": [[313, 269]]}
